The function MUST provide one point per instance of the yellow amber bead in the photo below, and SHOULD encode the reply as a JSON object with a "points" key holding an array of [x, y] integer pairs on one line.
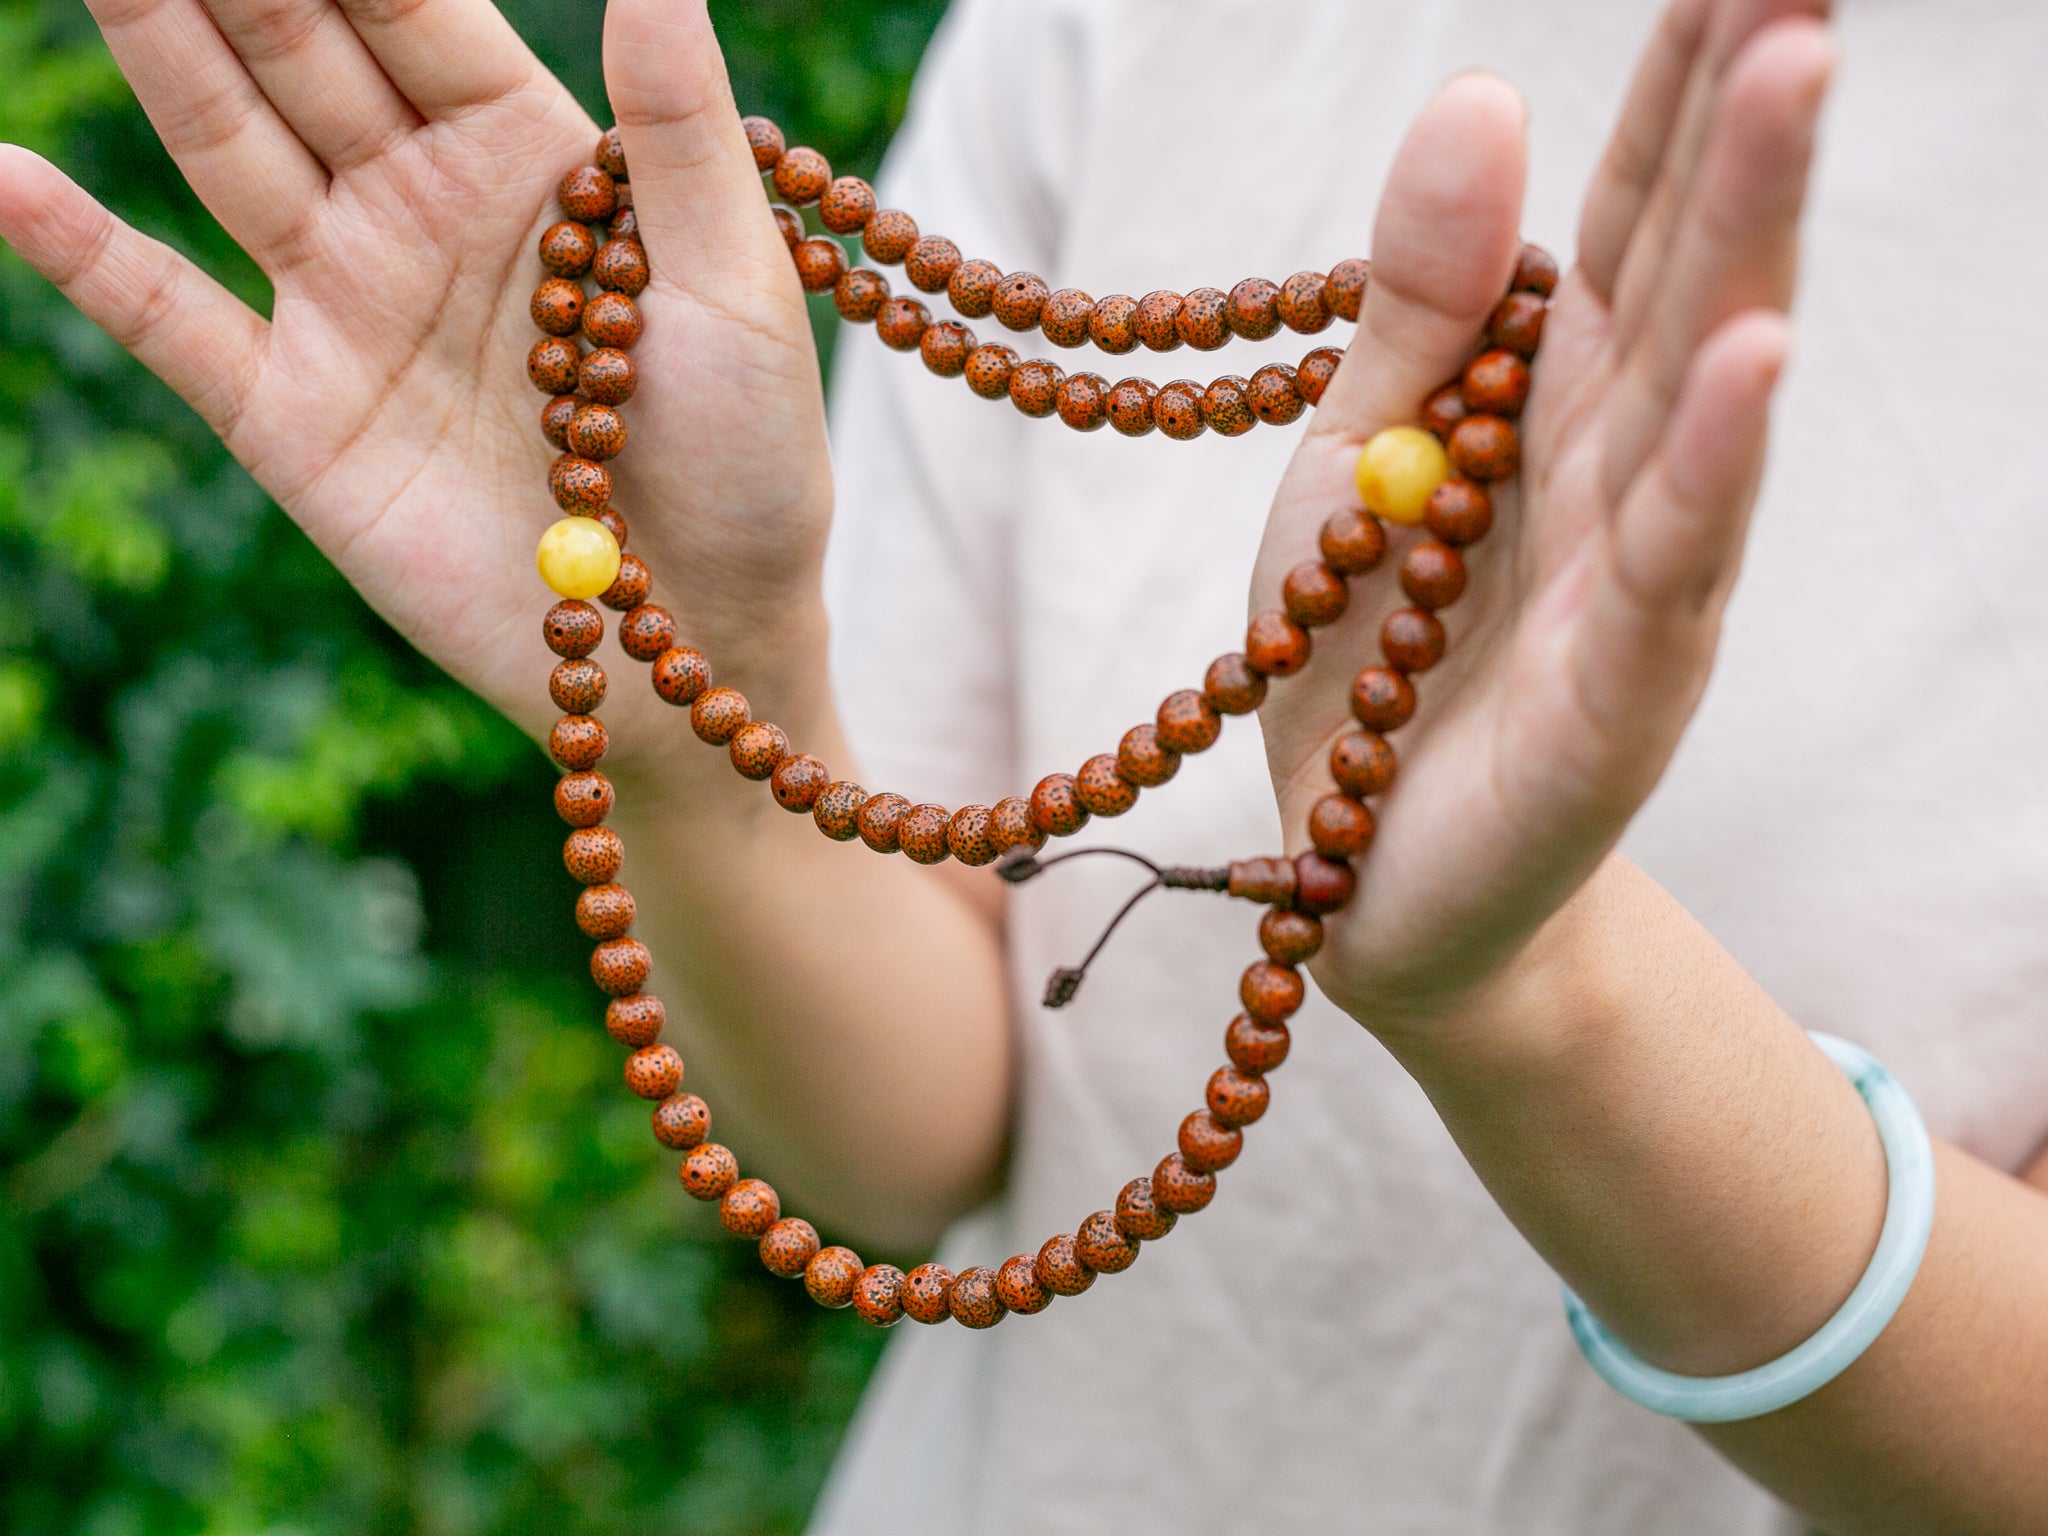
{"points": [[578, 557], [1397, 469]]}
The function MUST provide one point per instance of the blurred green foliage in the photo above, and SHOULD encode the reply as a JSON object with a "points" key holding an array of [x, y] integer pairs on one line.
{"points": [[321, 1209]]}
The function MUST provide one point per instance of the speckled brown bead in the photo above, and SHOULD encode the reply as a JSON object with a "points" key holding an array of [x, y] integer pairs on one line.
{"points": [[611, 154], [1187, 722], [596, 432], [1207, 1144], [625, 223], [1517, 324], [1010, 825], [709, 1171], [1058, 1269], [635, 1019], [1065, 319], [1155, 321], [680, 674], [901, 322], [557, 306], [922, 834], [1018, 299], [1352, 541], [1412, 639], [572, 628], [1340, 827], [552, 365], [577, 687], [1055, 809], [831, 1275], [878, 1295], [1227, 406], [931, 263], [820, 263], [1203, 319], [1237, 1098], [608, 518], [797, 781], [1141, 761], [1138, 1216], [988, 370], [1112, 327], [1315, 371], [1496, 381], [1082, 401], [621, 267], [765, 139], [646, 631], [972, 288], [859, 294], [1231, 686], [1344, 288], [1254, 1047], [1382, 699], [1276, 646], [1179, 1188], [1101, 1247], [1459, 512], [1301, 303], [1177, 410], [1362, 763], [1270, 993], [607, 376], [1321, 885], [611, 320], [620, 966], [847, 206], [1433, 575], [654, 1071], [880, 818], [1444, 409], [1275, 398], [555, 417], [925, 1293], [967, 837], [592, 855], [1017, 1286], [837, 809], [1101, 790], [1314, 594], [1485, 448], [973, 1300], [1535, 270], [1253, 309], [587, 195], [787, 1247], [1035, 386], [1130, 406], [682, 1121], [583, 799], [578, 741], [718, 715], [789, 224], [629, 589], [749, 1208], [758, 749], [802, 176], [944, 348], [604, 911], [567, 248], [889, 236]]}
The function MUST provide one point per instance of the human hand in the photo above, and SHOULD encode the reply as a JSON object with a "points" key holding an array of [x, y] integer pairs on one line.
{"points": [[1588, 630], [390, 167]]}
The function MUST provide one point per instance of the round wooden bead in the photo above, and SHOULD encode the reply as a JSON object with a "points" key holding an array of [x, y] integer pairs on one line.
{"points": [[1237, 1098], [1412, 639], [630, 587], [1344, 288], [1130, 406], [592, 855], [1301, 303], [1207, 1144], [1179, 1188], [1101, 1247], [580, 486], [567, 249], [901, 323], [654, 1071], [552, 365], [1321, 885], [878, 1295], [967, 836], [1138, 1216], [587, 195], [972, 288], [572, 628], [621, 267], [1276, 646], [681, 674], [749, 1208], [625, 223], [611, 320], [931, 263], [1017, 1286], [1443, 410], [557, 306], [788, 1247], [1316, 370], [583, 799], [889, 236], [719, 714], [1186, 723], [1496, 381], [1485, 448], [596, 432], [1517, 324], [837, 809], [988, 370], [1018, 299], [945, 347], [1010, 825], [1155, 321], [1535, 271], [789, 224], [682, 1121], [1270, 993], [1459, 512], [613, 524], [1433, 574], [1362, 763], [1177, 410], [798, 781], [577, 687], [757, 750], [555, 417], [859, 294], [1035, 385], [604, 911], [1112, 324], [708, 1171], [1203, 319], [611, 154], [1227, 407], [1275, 397], [1059, 1270], [831, 1275], [647, 631], [922, 834], [1141, 761], [926, 1290], [1288, 938], [1340, 827], [1082, 401], [1382, 699], [820, 263], [636, 1019], [1253, 308], [1397, 469], [1055, 809], [847, 205], [879, 820], [1232, 686], [802, 176], [1101, 790], [607, 376], [765, 139], [1352, 541], [620, 966], [1314, 594], [1065, 318], [1254, 1047], [973, 1300]]}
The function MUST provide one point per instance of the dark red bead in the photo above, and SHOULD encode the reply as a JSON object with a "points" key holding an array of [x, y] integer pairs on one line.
{"points": [[607, 376], [988, 370], [567, 249], [968, 839], [1177, 410], [1496, 381], [1322, 885], [621, 266], [592, 855], [1187, 723], [1433, 575], [880, 819], [788, 1247], [1142, 761], [1535, 271], [1485, 448], [583, 799], [577, 687], [926, 1291], [1035, 386], [945, 348], [636, 1019], [1227, 407], [1288, 938], [1207, 1144], [552, 365], [860, 294], [972, 288], [1340, 827], [577, 741], [1254, 1047], [1203, 319], [878, 1295], [682, 1122], [1237, 1098], [1179, 1188], [647, 631], [1269, 992], [1412, 639], [557, 306], [1362, 763], [922, 834], [931, 263], [719, 715], [837, 809], [572, 628], [1517, 323], [1156, 318], [765, 139], [1018, 299], [1276, 646], [1018, 1287], [1082, 401], [1458, 512], [901, 322], [1314, 595], [588, 195], [1444, 409], [1112, 324], [1101, 790], [820, 263], [847, 205], [1059, 1270]]}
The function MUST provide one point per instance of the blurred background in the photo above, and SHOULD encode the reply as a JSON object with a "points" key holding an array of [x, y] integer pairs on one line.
{"points": [[321, 1208]]}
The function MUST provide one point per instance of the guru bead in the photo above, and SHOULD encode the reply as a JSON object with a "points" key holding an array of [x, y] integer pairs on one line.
{"points": [[1397, 469], [577, 557]]}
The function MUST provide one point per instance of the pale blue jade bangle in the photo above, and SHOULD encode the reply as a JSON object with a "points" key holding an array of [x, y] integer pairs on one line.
{"points": [[1908, 1216]]}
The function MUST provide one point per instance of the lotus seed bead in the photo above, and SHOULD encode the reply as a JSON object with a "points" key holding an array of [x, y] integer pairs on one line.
{"points": [[1397, 469], [578, 557]]}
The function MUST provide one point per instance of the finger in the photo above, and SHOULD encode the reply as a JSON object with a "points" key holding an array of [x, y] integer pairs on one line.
{"points": [[1736, 244], [240, 156], [318, 72], [181, 325], [444, 55]]}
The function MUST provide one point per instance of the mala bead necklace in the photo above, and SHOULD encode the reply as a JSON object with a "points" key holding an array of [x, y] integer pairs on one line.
{"points": [[1436, 475]]}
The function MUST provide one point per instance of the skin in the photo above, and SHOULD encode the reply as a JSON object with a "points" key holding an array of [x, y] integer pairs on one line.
{"points": [[1626, 1092]]}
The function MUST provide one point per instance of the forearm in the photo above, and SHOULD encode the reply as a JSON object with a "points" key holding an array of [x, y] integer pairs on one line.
{"points": [[1713, 1187]]}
